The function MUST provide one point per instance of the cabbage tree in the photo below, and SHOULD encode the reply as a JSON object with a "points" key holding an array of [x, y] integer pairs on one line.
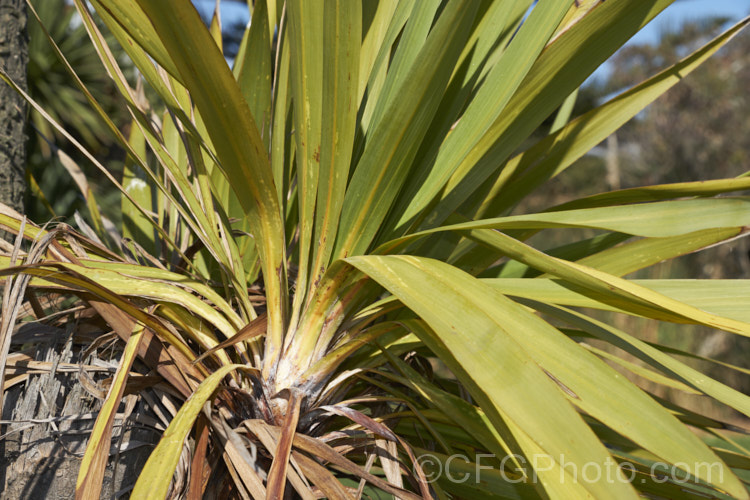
{"points": [[322, 264]]}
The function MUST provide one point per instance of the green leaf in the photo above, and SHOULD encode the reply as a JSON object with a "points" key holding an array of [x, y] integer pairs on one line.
{"points": [[235, 136], [253, 69], [658, 219], [394, 141], [488, 103], [658, 192], [342, 38], [616, 291], [306, 69], [161, 464], [91, 472], [472, 337], [559, 150], [632, 256], [650, 355], [725, 298], [560, 69], [376, 19]]}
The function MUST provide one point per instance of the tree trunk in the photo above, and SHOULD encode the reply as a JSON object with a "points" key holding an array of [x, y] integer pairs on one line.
{"points": [[52, 417], [14, 57]]}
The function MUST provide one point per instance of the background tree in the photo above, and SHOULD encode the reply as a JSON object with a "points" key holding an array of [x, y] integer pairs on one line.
{"points": [[698, 130], [686, 135]]}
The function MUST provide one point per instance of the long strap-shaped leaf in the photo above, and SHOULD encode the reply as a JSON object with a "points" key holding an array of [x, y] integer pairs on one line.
{"points": [[620, 293], [657, 219], [497, 22], [560, 69], [161, 464], [342, 38], [640, 254], [204, 226], [376, 20], [648, 354], [231, 127], [410, 41], [91, 473], [636, 415], [306, 65], [605, 395], [726, 298], [253, 67], [471, 336], [488, 103], [558, 151], [658, 192], [394, 141]]}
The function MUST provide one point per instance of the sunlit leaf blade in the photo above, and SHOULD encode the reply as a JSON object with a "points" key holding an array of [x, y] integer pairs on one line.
{"points": [[657, 219], [157, 473], [127, 40], [726, 298], [253, 329], [215, 27], [472, 340], [91, 473], [134, 20], [641, 371], [235, 136], [393, 144], [282, 150], [488, 103], [659, 192], [650, 355], [253, 69], [342, 38], [80, 283], [376, 17], [392, 63], [617, 291], [126, 286], [560, 69], [565, 112], [571, 251], [306, 69], [556, 152], [632, 256]]}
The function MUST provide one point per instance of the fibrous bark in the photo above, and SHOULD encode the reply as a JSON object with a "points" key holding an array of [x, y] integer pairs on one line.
{"points": [[53, 415], [14, 56]]}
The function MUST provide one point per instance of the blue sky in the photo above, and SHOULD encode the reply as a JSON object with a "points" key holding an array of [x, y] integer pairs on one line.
{"points": [[689, 10], [680, 12], [670, 19]]}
